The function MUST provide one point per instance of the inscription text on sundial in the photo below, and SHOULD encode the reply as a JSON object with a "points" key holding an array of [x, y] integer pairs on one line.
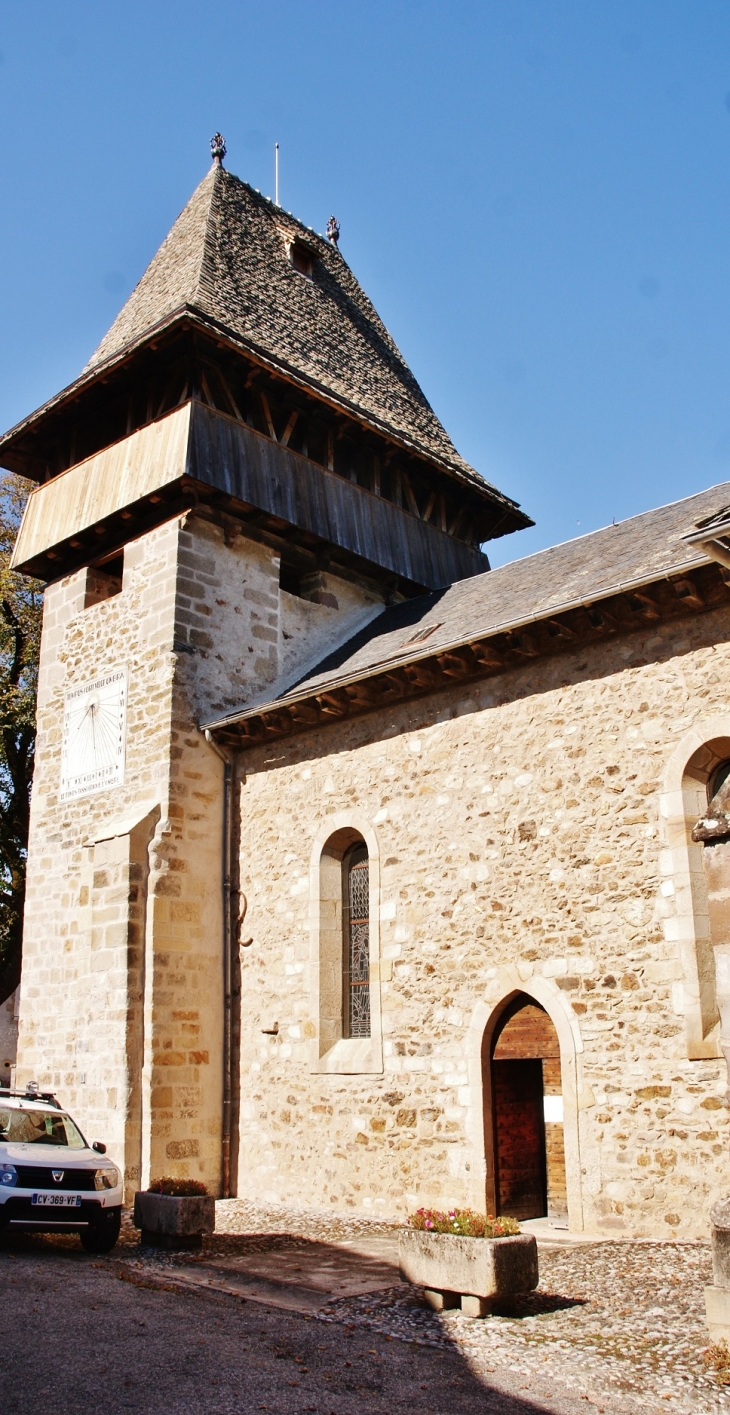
{"points": [[94, 731]]}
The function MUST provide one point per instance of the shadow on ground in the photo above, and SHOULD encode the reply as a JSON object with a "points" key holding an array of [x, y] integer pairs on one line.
{"points": [[81, 1341]]}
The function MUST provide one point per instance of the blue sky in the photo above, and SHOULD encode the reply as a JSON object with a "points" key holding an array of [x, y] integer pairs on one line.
{"points": [[534, 193]]}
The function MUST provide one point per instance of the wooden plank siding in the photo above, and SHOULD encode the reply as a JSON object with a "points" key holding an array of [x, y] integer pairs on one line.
{"points": [[111, 480], [216, 451], [250, 467]]}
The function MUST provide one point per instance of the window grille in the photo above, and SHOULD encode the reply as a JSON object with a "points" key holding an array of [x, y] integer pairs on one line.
{"points": [[357, 944]]}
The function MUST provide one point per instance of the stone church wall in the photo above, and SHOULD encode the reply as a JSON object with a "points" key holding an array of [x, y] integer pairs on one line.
{"points": [[520, 846]]}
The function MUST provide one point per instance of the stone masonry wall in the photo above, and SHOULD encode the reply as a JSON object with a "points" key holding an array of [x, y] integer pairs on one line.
{"points": [[74, 992], [121, 999], [518, 829]]}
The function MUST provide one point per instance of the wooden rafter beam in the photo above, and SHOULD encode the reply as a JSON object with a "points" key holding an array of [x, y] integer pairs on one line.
{"points": [[557, 628], [642, 603], [309, 714], [421, 675], [487, 655], [601, 619], [410, 495], [395, 681], [267, 414], [523, 643], [688, 592], [288, 430], [334, 703], [365, 694], [456, 664]]}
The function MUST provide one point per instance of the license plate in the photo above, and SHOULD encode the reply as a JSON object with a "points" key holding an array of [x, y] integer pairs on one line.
{"points": [[57, 1201]]}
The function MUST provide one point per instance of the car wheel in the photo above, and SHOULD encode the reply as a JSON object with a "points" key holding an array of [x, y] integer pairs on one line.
{"points": [[101, 1237]]}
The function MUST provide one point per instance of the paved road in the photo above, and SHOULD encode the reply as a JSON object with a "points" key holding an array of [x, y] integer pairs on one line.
{"points": [[77, 1340]]}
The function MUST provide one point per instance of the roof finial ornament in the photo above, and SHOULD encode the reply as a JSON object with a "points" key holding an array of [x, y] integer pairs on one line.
{"points": [[218, 149], [333, 230]]}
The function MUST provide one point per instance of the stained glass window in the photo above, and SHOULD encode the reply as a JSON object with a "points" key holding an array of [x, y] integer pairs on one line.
{"points": [[357, 943]]}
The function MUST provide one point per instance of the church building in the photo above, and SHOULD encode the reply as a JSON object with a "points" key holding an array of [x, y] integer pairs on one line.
{"points": [[361, 874]]}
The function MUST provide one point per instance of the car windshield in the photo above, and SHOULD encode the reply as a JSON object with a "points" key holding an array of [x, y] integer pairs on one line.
{"points": [[39, 1127]]}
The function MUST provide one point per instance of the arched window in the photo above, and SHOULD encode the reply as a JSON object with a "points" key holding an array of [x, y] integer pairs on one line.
{"points": [[346, 971], [356, 942]]}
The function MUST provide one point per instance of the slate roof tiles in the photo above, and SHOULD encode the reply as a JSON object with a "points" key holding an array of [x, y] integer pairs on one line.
{"points": [[226, 257], [632, 553]]}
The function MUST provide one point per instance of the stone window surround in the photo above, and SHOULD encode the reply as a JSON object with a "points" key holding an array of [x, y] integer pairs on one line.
{"points": [[502, 985], [331, 1052], [682, 801]]}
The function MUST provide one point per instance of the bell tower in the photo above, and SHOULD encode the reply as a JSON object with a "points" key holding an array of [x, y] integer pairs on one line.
{"points": [[245, 472]]}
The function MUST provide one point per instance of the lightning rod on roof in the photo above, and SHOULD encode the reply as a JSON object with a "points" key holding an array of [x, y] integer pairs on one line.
{"points": [[276, 173], [218, 149]]}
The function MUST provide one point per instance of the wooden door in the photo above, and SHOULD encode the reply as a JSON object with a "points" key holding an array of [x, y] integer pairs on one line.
{"points": [[519, 1138]]}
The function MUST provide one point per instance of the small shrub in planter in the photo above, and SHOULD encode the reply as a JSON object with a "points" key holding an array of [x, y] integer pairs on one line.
{"points": [[459, 1256], [178, 1188], [174, 1213]]}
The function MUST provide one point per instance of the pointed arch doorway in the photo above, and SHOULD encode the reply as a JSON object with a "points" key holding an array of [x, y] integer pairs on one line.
{"points": [[525, 1086]]}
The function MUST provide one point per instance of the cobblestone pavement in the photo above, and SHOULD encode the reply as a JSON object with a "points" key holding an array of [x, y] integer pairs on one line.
{"points": [[608, 1321]]}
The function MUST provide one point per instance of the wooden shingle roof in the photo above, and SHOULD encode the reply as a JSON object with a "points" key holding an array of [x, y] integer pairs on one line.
{"points": [[226, 258]]}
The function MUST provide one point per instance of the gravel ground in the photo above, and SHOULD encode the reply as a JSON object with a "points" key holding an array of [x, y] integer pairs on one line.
{"points": [[612, 1326], [77, 1341], [608, 1321]]}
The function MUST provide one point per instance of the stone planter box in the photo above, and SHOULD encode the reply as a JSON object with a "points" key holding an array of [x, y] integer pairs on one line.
{"points": [[476, 1273], [168, 1222]]}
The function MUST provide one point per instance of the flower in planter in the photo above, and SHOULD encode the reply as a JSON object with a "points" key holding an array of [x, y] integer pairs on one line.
{"points": [[464, 1223], [178, 1188]]}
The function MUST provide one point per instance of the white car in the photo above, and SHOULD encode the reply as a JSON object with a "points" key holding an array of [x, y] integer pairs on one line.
{"points": [[51, 1180]]}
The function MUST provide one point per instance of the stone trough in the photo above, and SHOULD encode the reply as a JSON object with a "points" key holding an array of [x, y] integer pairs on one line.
{"points": [[477, 1274]]}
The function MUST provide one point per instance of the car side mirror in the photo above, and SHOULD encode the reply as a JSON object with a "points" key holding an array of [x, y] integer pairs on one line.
{"points": [[99, 1147]]}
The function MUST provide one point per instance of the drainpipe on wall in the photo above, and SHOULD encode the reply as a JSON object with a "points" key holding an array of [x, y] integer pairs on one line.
{"points": [[228, 943]]}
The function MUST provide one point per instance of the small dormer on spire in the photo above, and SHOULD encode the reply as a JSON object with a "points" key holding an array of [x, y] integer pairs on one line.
{"points": [[218, 149]]}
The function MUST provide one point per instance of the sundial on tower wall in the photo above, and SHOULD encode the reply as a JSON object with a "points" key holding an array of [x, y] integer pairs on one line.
{"points": [[94, 731]]}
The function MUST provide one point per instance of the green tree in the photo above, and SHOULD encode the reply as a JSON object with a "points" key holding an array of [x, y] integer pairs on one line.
{"points": [[21, 607]]}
